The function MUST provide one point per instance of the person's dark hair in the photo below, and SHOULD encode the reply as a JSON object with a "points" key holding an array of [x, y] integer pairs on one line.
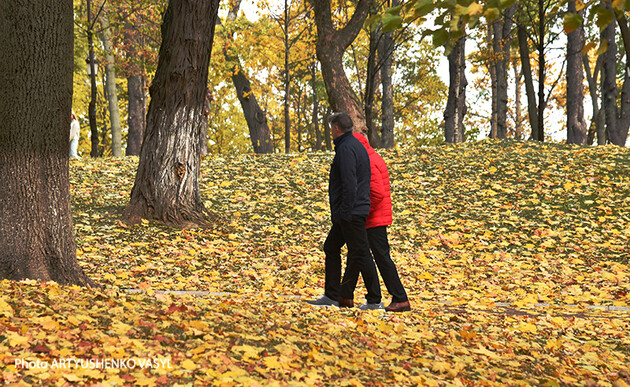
{"points": [[342, 120]]}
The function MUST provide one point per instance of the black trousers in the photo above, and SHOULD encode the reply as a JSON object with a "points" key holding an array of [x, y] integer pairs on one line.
{"points": [[379, 245], [353, 234]]}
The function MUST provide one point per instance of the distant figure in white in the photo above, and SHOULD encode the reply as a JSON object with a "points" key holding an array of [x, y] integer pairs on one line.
{"points": [[75, 130]]}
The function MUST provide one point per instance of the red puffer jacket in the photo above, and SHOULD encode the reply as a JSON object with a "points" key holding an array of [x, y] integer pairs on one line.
{"points": [[380, 195]]}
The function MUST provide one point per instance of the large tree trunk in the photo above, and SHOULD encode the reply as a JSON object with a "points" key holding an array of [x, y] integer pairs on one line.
{"points": [[501, 42], [110, 85], [36, 61], [621, 134], [456, 103], [529, 82], [166, 186], [387, 103], [576, 126], [331, 44]]}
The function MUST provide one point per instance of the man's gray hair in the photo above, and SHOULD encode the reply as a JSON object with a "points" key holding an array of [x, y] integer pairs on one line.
{"points": [[342, 120]]}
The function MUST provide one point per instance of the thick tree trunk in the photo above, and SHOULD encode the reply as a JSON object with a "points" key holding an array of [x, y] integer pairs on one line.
{"points": [[36, 61], [110, 85], [166, 186], [529, 82], [137, 114], [387, 103], [331, 44], [576, 126], [501, 41], [456, 103]]}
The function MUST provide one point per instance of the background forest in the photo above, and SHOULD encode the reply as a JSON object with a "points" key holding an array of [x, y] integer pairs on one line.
{"points": [[264, 69]]}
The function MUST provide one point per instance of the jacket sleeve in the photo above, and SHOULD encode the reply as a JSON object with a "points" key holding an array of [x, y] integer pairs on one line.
{"points": [[377, 189], [348, 175]]}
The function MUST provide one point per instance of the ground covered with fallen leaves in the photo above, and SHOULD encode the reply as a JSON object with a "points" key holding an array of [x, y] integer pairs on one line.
{"points": [[514, 254]]}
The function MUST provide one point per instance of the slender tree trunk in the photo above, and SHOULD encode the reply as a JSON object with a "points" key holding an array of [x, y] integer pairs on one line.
{"points": [[492, 69], [136, 86], [331, 44], [540, 128], [256, 118], [518, 118], [529, 82], [327, 134], [597, 122], [621, 134], [167, 186], [287, 82], [36, 62], [94, 152], [110, 85], [456, 103], [318, 133], [501, 42], [576, 126], [370, 89], [136, 114], [609, 79], [387, 103]]}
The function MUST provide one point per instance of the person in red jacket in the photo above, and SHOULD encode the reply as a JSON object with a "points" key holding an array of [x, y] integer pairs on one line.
{"points": [[379, 218]]}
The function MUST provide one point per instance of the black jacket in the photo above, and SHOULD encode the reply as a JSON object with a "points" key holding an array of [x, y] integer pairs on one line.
{"points": [[349, 182]]}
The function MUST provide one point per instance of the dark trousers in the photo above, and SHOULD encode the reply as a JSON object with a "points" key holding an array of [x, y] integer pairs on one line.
{"points": [[379, 245], [353, 234]]}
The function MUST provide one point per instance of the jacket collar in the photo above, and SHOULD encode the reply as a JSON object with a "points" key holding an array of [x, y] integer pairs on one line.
{"points": [[341, 138]]}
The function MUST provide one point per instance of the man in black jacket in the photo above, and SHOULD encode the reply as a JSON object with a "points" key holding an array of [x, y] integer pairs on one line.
{"points": [[349, 196]]}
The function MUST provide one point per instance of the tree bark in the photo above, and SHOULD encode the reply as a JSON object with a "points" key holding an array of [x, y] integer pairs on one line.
{"points": [[110, 85], [576, 125], [331, 44], [501, 41], [36, 64], [456, 102], [492, 69], [167, 186]]}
